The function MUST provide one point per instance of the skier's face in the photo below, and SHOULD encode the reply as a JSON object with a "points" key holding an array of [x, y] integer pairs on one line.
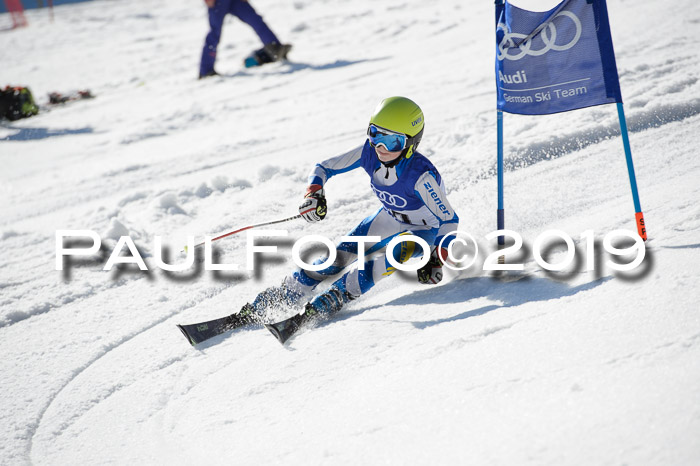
{"points": [[385, 155]]}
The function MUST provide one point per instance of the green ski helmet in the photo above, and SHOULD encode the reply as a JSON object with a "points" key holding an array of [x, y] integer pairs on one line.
{"points": [[400, 115]]}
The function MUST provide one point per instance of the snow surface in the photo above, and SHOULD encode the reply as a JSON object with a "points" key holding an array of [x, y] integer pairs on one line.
{"points": [[571, 368]]}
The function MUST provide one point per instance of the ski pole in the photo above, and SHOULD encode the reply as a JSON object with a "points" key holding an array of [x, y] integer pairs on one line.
{"points": [[257, 225]]}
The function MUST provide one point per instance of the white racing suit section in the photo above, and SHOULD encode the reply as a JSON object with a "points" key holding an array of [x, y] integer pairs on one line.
{"points": [[413, 202]]}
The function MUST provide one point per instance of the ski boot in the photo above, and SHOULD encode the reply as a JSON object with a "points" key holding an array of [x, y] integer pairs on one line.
{"points": [[283, 296], [319, 308], [274, 51], [246, 316]]}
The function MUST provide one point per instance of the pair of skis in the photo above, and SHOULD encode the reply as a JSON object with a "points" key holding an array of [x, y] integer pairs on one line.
{"points": [[283, 331], [203, 331]]}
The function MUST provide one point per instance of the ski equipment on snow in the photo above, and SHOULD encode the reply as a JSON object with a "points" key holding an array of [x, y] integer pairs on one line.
{"points": [[56, 98], [269, 53], [321, 307], [285, 329], [202, 331]]}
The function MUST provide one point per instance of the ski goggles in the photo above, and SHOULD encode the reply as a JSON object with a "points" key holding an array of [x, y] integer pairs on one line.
{"points": [[391, 140]]}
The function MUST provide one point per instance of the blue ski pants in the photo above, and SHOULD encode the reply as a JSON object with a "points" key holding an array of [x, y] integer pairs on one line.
{"points": [[357, 281], [243, 11]]}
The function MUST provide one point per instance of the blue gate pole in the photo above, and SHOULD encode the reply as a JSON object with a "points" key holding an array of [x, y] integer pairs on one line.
{"points": [[639, 216], [500, 213]]}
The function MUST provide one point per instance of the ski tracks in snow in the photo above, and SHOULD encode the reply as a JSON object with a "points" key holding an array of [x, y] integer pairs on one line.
{"points": [[93, 395]]}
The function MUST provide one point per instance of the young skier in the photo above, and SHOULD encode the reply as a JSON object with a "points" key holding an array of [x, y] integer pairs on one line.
{"points": [[414, 202], [272, 50]]}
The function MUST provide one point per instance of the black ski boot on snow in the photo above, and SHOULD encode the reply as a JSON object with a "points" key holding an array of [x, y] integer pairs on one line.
{"points": [[271, 52], [319, 308]]}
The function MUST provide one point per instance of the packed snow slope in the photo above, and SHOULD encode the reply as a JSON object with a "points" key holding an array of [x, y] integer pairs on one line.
{"points": [[577, 367]]}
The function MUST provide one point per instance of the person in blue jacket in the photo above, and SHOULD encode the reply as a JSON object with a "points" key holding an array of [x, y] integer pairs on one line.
{"points": [[272, 49], [414, 201]]}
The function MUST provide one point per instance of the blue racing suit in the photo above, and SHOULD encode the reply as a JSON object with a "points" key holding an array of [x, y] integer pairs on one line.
{"points": [[414, 202], [243, 11]]}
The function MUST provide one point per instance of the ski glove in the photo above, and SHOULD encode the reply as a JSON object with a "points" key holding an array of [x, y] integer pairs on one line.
{"points": [[313, 209], [431, 273]]}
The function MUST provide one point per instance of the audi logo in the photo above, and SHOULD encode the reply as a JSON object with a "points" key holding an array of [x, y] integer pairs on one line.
{"points": [[393, 200], [549, 38]]}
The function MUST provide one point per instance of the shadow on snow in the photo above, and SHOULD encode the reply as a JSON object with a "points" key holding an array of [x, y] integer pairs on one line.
{"points": [[290, 67], [34, 134], [525, 291]]}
